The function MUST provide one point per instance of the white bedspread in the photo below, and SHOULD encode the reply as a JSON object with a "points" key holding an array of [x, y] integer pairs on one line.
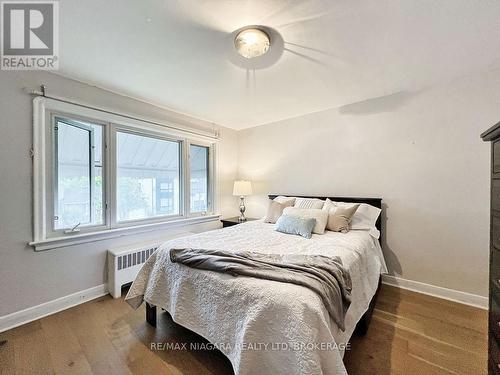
{"points": [[262, 326]]}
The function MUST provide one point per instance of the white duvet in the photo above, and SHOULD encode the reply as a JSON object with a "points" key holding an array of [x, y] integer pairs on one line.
{"points": [[262, 326]]}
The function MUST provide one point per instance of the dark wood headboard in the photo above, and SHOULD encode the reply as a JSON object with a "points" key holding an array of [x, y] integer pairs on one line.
{"points": [[376, 202]]}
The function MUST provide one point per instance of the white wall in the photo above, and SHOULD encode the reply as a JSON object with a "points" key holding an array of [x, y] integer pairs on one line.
{"points": [[419, 151], [29, 278]]}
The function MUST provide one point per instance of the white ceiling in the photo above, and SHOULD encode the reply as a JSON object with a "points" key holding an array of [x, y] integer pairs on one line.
{"points": [[177, 54]]}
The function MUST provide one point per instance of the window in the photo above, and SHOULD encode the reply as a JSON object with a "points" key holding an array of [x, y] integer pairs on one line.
{"points": [[148, 177], [78, 193], [98, 173], [198, 163]]}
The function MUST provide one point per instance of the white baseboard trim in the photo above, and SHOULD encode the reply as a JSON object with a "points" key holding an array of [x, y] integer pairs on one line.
{"points": [[437, 291], [48, 308]]}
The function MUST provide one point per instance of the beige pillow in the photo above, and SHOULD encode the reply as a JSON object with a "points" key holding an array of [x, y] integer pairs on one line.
{"points": [[282, 199], [321, 216], [365, 217], [275, 210], [339, 218]]}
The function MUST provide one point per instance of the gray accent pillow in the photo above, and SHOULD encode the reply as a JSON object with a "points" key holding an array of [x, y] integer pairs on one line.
{"points": [[296, 225], [275, 210]]}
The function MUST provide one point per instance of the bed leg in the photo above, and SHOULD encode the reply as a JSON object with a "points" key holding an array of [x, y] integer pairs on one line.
{"points": [[363, 324], [151, 314]]}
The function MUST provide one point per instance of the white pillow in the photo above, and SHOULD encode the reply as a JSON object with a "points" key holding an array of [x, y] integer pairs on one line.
{"points": [[309, 203], [321, 216], [365, 217]]}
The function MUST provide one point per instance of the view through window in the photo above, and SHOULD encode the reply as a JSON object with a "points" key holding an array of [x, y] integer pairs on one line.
{"points": [[78, 174], [148, 175], [199, 178]]}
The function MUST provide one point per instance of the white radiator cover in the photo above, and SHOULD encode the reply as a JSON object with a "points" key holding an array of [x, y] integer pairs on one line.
{"points": [[125, 262]]}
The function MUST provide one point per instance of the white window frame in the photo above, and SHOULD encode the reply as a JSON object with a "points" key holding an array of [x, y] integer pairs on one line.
{"points": [[44, 112], [50, 182]]}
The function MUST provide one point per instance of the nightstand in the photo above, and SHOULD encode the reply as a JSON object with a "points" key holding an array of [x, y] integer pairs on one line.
{"points": [[230, 221]]}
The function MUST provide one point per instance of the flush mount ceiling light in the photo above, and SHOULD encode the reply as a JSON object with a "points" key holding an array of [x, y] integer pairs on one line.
{"points": [[252, 43]]}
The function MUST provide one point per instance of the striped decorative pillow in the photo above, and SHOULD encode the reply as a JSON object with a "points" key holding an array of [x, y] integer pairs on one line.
{"points": [[309, 203]]}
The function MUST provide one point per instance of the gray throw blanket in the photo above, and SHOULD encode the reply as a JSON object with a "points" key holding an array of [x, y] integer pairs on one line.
{"points": [[324, 275]]}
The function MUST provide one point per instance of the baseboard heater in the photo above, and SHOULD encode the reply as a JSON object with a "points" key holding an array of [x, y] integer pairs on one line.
{"points": [[125, 262]]}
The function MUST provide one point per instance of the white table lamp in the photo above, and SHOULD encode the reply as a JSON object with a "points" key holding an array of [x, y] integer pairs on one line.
{"points": [[242, 188]]}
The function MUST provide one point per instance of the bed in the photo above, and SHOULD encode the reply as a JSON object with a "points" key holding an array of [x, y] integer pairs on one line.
{"points": [[265, 326]]}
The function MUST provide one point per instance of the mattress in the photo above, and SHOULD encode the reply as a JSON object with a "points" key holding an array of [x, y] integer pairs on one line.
{"points": [[263, 326]]}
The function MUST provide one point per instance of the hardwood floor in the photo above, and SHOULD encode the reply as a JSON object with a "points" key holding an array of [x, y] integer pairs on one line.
{"points": [[410, 333]]}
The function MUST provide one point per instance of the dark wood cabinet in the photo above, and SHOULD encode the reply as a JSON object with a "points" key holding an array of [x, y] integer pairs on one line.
{"points": [[496, 157], [493, 135]]}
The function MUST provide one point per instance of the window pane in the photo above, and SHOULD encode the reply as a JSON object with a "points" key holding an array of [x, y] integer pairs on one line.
{"points": [[78, 174], [199, 178], [148, 171]]}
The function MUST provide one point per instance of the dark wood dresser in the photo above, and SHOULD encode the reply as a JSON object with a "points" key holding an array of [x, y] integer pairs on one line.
{"points": [[493, 135]]}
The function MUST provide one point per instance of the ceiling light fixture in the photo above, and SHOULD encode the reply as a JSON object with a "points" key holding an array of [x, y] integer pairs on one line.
{"points": [[252, 42]]}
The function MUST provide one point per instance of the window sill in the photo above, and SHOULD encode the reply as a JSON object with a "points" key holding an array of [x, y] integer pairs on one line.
{"points": [[56, 242]]}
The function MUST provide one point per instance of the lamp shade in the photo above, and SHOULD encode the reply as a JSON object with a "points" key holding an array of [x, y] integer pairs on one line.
{"points": [[242, 188]]}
